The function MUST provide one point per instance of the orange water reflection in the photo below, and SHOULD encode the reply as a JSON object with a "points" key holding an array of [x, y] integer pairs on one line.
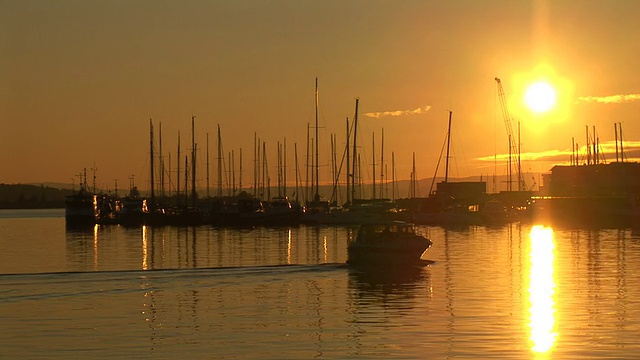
{"points": [[145, 248], [542, 290], [96, 229], [289, 246]]}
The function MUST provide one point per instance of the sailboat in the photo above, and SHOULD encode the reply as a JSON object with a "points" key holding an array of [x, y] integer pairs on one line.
{"points": [[355, 210], [317, 205], [456, 202]]}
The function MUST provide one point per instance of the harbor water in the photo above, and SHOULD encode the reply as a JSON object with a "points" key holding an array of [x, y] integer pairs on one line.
{"points": [[516, 291]]}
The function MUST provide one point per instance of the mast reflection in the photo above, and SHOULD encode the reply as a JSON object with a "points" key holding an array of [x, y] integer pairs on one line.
{"points": [[542, 290]]}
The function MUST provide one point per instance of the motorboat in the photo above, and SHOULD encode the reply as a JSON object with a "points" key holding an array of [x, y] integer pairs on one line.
{"points": [[394, 242]]}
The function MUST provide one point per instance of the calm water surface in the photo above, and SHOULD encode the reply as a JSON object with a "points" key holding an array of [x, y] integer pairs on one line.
{"points": [[518, 292]]}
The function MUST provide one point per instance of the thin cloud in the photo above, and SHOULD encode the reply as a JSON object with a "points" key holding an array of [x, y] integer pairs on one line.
{"points": [[549, 155], [376, 115], [607, 149], [611, 99]]}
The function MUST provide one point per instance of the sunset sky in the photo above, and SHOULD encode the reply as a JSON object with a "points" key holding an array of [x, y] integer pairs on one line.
{"points": [[81, 79]]}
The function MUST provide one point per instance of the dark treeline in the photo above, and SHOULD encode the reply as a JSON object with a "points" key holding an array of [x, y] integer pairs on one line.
{"points": [[22, 196]]}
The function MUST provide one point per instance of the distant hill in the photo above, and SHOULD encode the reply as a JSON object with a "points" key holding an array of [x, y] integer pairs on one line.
{"points": [[25, 196], [57, 185]]}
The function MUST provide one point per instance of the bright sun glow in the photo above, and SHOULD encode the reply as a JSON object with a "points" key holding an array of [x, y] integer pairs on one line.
{"points": [[540, 97]]}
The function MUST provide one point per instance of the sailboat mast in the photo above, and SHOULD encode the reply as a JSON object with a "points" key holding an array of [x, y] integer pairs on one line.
{"points": [[393, 176], [161, 163], [233, 171], [382, 195], [593, 145], [295, 151], [193, 162], [208, 193], [186, 180], [446, 171], [264, 171], [284, 166], [259, 191], [178, 180], [219, 163], [306, 167], [317, 191], [153, 195], [230, 188], [355, 156], [348, 169], [255, 164], [279, 164], [621, 143], [615, 130], [240, 173], [521, 186], [334, 170], [586, 127], [413, 177], [373, 140], [313, 177]]}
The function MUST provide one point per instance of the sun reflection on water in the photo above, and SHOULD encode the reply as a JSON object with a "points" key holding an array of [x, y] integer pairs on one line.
{"points": [[542, 290]]}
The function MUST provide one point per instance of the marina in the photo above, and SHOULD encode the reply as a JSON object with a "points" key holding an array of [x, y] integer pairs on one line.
{"points": [[591, 190]]}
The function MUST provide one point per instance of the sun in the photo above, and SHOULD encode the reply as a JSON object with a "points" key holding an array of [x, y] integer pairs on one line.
{"points": [[540, 97]]}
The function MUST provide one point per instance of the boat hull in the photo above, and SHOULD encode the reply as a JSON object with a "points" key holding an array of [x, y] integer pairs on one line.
{"points": [[81, 209], [391, 243], [385, 255]]}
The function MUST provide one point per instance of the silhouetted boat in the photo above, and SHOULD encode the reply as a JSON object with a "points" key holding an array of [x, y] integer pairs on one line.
{"points": [[454, 214], [494, 212], [361, 211], [246, 211], [452, 202], [281, 211], [393, 242], [133, 210], [81, 208]]}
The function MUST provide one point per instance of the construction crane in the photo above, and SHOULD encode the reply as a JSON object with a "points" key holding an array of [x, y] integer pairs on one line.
{"points": [[514, 147]]}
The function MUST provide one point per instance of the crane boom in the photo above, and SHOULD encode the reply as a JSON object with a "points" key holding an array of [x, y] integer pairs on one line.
{"points": [[513, 145]]}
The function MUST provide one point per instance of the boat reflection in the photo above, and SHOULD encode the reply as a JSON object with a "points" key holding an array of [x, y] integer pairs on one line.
{"points": [[388, 284], [84, 240], [542, 290], [109, 247]]}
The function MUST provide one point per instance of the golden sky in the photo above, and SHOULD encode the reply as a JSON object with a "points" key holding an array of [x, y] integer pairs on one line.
{"points": [[81, 79]]}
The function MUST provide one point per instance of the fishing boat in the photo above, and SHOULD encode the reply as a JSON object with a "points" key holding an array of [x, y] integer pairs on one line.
{"points": [[393, 242], [133, 209], [81, 208]]}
